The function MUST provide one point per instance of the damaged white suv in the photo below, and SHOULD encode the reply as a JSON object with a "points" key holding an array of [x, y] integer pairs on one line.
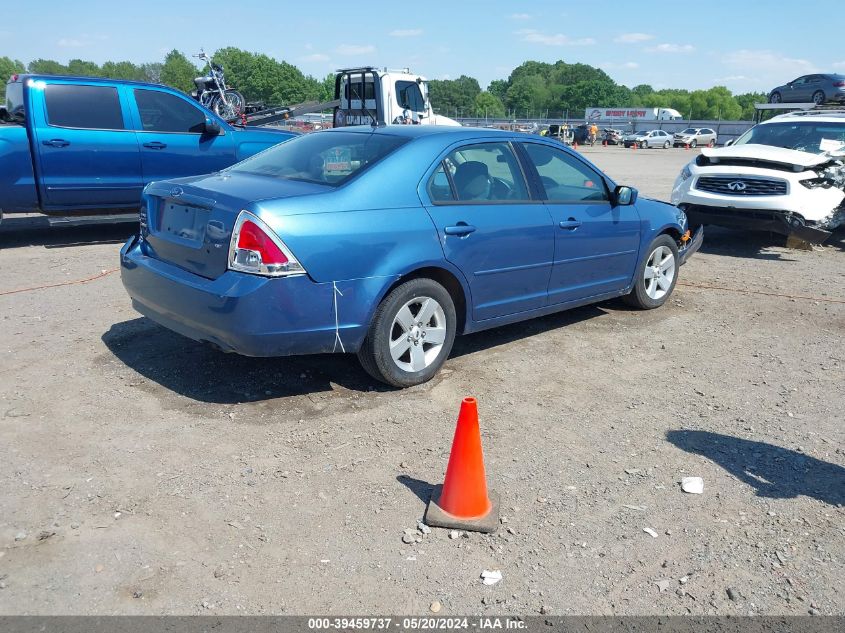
{"points": [[785, 175]]}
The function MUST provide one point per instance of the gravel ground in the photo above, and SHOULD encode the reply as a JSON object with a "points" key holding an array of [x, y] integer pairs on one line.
{"points": [[145, 474]]}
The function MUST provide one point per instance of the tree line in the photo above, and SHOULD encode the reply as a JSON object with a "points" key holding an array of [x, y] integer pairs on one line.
{"points": [[533, 90]]}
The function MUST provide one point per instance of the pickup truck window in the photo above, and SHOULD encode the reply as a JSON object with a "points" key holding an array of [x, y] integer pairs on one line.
{"points": [[86, 107], [164, 112]]}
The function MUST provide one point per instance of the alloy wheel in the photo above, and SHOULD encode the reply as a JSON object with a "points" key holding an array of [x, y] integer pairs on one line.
{"points": [[417, 334], [659, 272]]}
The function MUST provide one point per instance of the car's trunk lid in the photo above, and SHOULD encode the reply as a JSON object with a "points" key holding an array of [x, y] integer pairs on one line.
{"points": [[189, 222]]}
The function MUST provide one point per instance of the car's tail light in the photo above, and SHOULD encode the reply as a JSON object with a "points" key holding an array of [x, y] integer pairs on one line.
{"points": [[256, 249], [839, 84]]}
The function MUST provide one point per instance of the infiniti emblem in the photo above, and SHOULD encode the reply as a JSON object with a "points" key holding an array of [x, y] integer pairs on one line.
{"points": [[736, 185], [177, 191]]}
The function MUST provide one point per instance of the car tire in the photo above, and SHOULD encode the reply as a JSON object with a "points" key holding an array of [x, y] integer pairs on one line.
{"points": [[712, 143], [394, 327], [693, 144], [818, 97], [652, 288], [666, 145], [775, 98]]}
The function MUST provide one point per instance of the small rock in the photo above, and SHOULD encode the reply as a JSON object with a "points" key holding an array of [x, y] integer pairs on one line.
{"points": [[491, 577], [408, 538], [663, 585], [220, 572], [205, 604], [733, 594], [422, 527], [74, 526], [693, 485], [20, 536], [814, 612], [781, 557], [510, 530], [403, 465], [544, 610], [650, 532], [435, 607], [454, 534], [44, 535], [99, 568], [137, 594], [684, 580]]}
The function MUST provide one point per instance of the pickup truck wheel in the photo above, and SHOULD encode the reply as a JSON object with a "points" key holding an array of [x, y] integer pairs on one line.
{"points": [[411, 334], [656, 275]]}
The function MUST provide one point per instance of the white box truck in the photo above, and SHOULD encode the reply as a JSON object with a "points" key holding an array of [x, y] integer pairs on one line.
{"points": [[631, 114]]}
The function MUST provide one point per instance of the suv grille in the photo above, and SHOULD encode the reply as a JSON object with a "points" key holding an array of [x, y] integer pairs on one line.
{"points": [[733, 186]]}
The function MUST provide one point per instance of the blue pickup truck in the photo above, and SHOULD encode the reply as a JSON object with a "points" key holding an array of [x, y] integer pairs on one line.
{"points": [[80, 147]]}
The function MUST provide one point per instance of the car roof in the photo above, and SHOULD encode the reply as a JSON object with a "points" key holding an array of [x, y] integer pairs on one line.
{"points": [[822, 116]]}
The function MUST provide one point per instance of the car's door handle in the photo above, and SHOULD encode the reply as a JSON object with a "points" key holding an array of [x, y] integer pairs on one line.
{"points": [[155, 145], [570, 224], [459, 229], [57, 142]]}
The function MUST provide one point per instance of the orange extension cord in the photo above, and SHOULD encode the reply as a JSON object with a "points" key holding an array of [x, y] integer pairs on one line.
{"points": [[64, 283]]}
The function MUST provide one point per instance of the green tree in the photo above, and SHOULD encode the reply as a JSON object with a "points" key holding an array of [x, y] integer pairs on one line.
{"points": [[498, 88], [178, 72], [151, 72], [8, 67], [488, 105], [47, 67], [528, 96], [122, 70], [454, 96], [746, 102], [82, 68]]}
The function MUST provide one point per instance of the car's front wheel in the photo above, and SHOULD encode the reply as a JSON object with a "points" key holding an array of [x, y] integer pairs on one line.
{"points": [[656, 275], [693, 144], [411, 334], [666, 145]]}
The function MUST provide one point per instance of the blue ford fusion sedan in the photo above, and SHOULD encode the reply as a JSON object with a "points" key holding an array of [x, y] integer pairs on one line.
{"points": [[389, 241]]}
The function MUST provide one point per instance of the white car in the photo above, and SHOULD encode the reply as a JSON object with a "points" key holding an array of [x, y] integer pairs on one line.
{"points": [[785, 175]]}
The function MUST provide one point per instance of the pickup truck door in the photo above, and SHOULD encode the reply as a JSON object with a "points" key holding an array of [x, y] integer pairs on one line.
{"points": [[171, 132], [87, 152]]}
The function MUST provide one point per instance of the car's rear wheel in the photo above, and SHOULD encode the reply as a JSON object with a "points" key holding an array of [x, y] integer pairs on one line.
{"points": [[656, 275], [411, 334], [775, 98], [818, 97]]}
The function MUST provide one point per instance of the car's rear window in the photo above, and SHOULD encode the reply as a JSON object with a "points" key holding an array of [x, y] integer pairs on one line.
{"points": [[329, 158]]}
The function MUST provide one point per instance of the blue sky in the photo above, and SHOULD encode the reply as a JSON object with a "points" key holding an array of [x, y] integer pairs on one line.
{"points": [[746, 45]]}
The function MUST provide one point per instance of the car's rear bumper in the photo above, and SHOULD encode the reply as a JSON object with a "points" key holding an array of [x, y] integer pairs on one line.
{"points": [[249, 314]]}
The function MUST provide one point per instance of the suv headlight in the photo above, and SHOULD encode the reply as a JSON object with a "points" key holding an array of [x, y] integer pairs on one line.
{"points": [[685, 173]]}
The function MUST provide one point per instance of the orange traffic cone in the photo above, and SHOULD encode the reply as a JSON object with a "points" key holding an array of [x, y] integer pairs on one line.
{"points": [[575, 145], [686, 145], [462, 501]]}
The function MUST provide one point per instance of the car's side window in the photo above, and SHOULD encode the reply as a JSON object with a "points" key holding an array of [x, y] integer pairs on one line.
{"points": [[564, 177], [83, 107], [164, 112], [486, 172], [439, 189]]}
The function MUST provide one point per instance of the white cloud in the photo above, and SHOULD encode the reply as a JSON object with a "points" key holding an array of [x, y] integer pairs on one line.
{"points": [[406, 33], [671, 48], [557, 39], [520, 16], [315, 57], [70, 43], [765, 61], [633, 38], [354, 49]]}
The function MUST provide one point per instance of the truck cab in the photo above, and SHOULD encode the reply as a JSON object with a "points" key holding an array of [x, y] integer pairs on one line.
{"points": [[74, 146], [371, 95]]}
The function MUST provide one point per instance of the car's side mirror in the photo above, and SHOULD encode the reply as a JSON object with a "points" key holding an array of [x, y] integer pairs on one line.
{"points": [[211, 127], [624, 196], [729, 143]]}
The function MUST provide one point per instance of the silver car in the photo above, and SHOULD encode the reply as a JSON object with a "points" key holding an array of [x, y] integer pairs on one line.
{"points": [[816, 89], [652, 138], [695, 136]]}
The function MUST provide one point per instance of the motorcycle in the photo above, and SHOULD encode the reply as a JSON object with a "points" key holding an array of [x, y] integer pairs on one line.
{"points": [[213, 94]]}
